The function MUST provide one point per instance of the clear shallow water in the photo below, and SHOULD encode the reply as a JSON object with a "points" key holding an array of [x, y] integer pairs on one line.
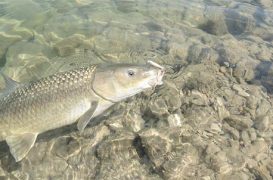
{"points": [[212, 119]]}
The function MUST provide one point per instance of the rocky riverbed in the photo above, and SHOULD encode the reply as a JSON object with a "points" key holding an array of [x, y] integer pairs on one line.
{"points": [[212, 118]]}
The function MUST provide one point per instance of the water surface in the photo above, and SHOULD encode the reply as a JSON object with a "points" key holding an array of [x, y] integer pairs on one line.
{"points": [[212, 119]]}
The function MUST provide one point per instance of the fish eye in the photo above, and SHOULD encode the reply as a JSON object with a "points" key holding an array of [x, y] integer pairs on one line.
{"points": [[130, 73]]}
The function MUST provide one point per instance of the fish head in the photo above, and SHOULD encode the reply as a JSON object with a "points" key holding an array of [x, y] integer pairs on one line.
{"points": [[120, 81]]}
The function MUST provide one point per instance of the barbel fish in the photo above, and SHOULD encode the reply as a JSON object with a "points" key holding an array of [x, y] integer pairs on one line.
{"points": [[78, 95]]}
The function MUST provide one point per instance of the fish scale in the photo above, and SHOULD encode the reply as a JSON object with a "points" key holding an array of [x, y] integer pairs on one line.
{"points": [[37, 95], [64, 98]]}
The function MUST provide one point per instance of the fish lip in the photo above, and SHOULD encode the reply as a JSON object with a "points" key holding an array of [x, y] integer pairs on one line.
{"points": [[157, 80], [155, 64], [160, 73]]}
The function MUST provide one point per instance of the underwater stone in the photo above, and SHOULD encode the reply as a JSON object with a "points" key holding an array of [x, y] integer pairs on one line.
{"points": [[240, 90], [173, 101], [232, 131], [198, 98], [263, 107], [221, 109], [157, 145], [80, 165], [159, 107], [258, 146], [245, 137], [252, 134], [7, 40], [236, 159], [68, 45], [212, 148], [175, 120], [219, 163], [194, 54], [179, 162], [262, 123], [215, 26], [234, 175], [117, 146], [239, 122], [216, 128], [246, 69], [119, 154], [126, 6], [65, 147], [27, 68], [133, 121], [179, 52], [2, 172]]}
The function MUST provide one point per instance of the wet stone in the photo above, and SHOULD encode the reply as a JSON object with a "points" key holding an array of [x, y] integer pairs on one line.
{"points": [[240, 91], [232, 131], [215, 26], [80, 165], [126, 6], [173, 100], [252, 134], [198, 98], [157, 146], [175, 120], [212, 149], [65, 147], [219, 162], [263, 108], [234, 176], [245, 137], [221, 109], [236, 159], [239, 122], [2, 173], [256, 147], [216, 128], [262, 123], [212, 117], [198, 54], [133, 121], [68, 45], [178, 163], [118, 146], [159, 107], [265, 3]]}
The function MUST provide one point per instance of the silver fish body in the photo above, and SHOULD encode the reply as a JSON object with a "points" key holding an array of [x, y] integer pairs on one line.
{"points": [[65, 98], [49, 103]]}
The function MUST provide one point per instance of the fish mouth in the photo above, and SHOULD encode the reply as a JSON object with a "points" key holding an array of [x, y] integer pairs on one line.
{"points": [[157, 80]]}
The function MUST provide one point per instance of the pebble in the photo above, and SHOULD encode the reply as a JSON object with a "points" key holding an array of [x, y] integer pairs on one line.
{"points": [[240, 90], [65, 146], [232, 131], [175, 120], [212, 149], [262, 123], [239, 122], [159, 107], [252, 134], [245, 137], [215, 128]]}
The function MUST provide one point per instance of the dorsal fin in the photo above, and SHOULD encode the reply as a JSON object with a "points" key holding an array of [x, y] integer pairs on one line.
{"points": [[10, 85]]}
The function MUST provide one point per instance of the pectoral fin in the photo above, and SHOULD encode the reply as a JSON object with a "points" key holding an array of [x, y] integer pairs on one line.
{"points": [[87, 116], [20, 144]]}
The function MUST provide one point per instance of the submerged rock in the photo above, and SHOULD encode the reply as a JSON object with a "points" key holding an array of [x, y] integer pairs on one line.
{"points": [[211, 119]]}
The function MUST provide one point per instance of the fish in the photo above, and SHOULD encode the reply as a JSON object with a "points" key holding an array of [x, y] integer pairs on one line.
{"points": [[64, 98]]}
